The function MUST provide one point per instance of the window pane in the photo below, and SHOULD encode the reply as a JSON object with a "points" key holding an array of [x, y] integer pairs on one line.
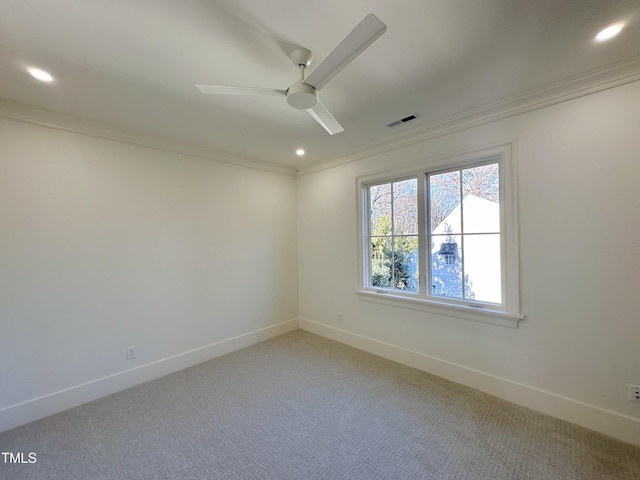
{"points": [[481, 199], [381, 260], [482, 268], [446, 266], [405, 263], [444, 191], [482, 182], [380, 207], [405, 207]]}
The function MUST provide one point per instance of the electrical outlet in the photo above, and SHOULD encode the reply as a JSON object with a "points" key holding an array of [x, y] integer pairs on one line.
{"points": [[131, 352], [339, 318], [634, 393]]}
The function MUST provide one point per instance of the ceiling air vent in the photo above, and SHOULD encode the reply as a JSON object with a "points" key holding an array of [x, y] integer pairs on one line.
{"points": [[406, 119]]}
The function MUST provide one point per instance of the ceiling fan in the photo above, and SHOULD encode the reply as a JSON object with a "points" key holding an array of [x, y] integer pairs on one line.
{"points": [[303, 94]]}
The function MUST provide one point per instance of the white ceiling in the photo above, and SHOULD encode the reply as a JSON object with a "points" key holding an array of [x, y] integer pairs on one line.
{"points": [[135, 63]]}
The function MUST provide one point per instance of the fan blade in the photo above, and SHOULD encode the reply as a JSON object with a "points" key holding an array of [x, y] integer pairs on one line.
{"points": [[365, 33], [324, 118], [222, 90]]}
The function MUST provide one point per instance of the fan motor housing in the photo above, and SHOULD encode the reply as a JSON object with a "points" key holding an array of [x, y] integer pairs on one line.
{"points": [[303, 96]]}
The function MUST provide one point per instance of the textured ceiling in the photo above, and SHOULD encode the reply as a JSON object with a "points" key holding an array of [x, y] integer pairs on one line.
{"points": [[134, 64]]}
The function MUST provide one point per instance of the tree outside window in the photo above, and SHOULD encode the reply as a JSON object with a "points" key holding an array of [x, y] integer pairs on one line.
{"points": [[394, 235]]}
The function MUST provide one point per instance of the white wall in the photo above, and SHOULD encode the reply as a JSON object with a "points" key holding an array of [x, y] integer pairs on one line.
{"points": [[105, 244], [579, 202]]}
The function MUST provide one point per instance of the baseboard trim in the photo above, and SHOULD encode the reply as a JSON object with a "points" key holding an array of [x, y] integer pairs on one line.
{"points": [[55, 402], [610, 423]]}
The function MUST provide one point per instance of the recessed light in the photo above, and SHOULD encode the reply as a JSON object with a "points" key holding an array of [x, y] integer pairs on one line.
{"points": [[300, 152], [609, 32], [40, 74]]}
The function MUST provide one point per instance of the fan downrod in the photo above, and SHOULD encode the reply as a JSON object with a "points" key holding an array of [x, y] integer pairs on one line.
{"points": [[300, 95]]}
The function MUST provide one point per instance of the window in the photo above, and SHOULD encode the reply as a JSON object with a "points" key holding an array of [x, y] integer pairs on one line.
{"points": [[393, 226], [443, 235], [449, 253]]}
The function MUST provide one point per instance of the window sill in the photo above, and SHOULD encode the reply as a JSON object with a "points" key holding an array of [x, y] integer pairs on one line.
{"points": [[483, 315]]}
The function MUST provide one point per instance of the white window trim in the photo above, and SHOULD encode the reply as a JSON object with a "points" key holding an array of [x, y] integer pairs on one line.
{"points": [[510, 315]]}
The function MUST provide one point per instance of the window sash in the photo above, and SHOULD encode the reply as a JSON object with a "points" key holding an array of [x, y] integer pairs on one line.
{"points": [[463, 235], [394, 235]]}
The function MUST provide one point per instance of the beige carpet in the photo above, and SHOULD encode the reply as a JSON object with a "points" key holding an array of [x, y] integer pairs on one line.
{"points": [[304, 407]]}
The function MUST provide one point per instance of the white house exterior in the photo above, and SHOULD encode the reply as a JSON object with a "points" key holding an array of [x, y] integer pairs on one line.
{"points": [[480, 249]]}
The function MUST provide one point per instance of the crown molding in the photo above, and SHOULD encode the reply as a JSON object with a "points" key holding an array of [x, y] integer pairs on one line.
{"points": [[20, 112], [586, 84]]}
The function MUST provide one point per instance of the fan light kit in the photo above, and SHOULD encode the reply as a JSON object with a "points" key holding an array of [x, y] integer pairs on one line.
{"points": [[300, 152], [303, 94]]}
